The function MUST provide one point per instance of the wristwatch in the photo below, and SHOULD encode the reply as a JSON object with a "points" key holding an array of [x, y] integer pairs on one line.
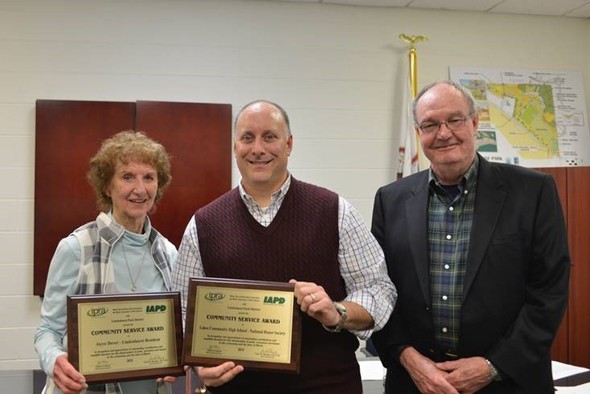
{"points": [[341, 309], [201, 390], [494, 374]]}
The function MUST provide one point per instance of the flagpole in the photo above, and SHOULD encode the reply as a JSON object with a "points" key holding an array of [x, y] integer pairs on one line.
{"points": [[413, 68]]}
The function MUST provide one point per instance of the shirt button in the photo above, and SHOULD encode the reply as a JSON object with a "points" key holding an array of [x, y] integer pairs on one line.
{"points": [[449, 236], [465, 191], [445, 298], [444, 329], [447, 266], [451, 209]]}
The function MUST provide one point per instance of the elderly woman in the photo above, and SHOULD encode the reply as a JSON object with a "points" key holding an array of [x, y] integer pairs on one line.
{"points": [[119, 252]]}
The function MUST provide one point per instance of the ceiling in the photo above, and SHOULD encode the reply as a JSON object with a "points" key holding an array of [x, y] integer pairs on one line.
{"points": [[570, 8]]}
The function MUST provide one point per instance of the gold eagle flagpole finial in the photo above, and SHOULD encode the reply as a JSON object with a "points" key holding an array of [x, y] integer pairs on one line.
{"points": [[411, 41]]}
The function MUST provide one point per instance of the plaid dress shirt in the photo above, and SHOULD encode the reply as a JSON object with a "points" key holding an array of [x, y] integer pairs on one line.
{"points": [[450, 216]]}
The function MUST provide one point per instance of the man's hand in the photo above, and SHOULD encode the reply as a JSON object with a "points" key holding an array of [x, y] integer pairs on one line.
{"points": [[167, 379], [66, 377], [221, 374], [468, 375], [314, 301], [426, 375]]}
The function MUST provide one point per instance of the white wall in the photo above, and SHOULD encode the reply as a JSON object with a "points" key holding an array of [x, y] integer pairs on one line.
{"points": [[336, 69]]}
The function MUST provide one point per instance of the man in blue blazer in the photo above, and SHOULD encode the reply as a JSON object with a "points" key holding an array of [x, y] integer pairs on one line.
{"points": [[478, 252]]}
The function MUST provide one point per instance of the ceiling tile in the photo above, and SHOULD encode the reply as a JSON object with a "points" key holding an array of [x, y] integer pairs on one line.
{"points": [[572, 8], [538, 7], [462, 5], [581, 12], [370, 3]]}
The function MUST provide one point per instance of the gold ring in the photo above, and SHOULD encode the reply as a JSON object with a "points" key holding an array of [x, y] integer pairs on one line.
{"points": [[313, 299]]}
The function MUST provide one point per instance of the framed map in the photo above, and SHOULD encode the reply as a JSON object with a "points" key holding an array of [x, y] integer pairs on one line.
{"points": [[529, 118]]}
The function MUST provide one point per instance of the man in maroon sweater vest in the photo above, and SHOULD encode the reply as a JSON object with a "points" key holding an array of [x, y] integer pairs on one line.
{"points": [[273, 227]]}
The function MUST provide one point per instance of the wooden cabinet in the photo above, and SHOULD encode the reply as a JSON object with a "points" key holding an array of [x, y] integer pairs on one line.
{"points": [[68, 134], [572, 344]]}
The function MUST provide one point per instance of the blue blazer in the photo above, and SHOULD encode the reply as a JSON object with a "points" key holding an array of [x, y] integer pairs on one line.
{"points": [[516, 282]]}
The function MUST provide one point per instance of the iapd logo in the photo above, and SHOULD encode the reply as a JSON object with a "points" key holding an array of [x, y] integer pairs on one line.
{"points": [[97, 312], [155, 308], [274, 300], [214, 296]]}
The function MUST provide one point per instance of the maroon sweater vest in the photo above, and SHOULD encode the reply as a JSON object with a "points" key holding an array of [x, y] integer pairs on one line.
{"points": [[301, 243]]}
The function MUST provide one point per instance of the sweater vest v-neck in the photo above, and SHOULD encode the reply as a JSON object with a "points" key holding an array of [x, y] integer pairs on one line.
{"points": [[301, 242]]}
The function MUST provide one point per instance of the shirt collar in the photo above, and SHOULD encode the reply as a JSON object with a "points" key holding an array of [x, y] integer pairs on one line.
{"points": [[276, 197], [135, 237], [467, 181]]}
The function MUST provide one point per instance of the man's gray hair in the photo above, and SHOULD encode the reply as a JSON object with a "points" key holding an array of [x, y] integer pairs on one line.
{"points": [[466, 94]]}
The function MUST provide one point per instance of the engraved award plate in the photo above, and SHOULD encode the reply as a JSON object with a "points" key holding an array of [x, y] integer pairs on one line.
{"points": [[125, 336], [253, 323]]}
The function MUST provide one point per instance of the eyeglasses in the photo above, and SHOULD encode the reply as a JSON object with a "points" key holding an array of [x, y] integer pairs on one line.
{"points": [[452, 124]]}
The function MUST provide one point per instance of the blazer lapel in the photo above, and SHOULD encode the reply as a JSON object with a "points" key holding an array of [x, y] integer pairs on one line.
{"points": [[416, 211], [488, 201]]}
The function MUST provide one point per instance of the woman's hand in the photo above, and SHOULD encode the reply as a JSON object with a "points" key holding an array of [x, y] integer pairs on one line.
{"points": [[66, 377]]}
